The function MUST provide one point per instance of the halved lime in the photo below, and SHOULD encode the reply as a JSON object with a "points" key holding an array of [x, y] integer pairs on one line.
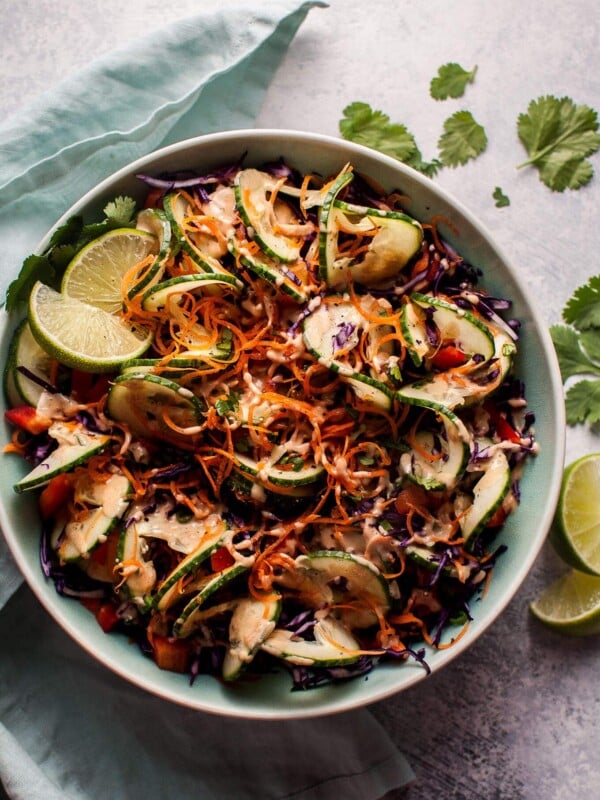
{"points": [[576, 530], [571, 604], [96, 272], [81, 335]]}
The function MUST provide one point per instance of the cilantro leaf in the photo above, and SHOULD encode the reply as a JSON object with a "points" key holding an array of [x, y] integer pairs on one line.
{"points": [[121, 211], [34, 268], [451, 81], [582, 402], [577, 346], [501, 199], [363, 125], [67, 233], [572, 359], [463, 139], [583, 308], [231, 403], [590, 343], [558, 136], [372, 128]]}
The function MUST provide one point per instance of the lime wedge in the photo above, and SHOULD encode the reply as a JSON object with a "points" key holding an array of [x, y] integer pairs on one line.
{"points": [[96, 272], [571, 604], [80, 335], [576, 531]]}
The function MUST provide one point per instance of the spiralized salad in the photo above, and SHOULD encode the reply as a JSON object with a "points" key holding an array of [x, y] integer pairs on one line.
{"points": [[309, 464]]}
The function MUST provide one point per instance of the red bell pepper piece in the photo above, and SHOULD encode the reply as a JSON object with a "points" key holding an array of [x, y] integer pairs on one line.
{"points": [[504, 429], [27, 418], [448, 357], [55, 495], [221, 559], [105, 612], [107, 617], [172, 654]]}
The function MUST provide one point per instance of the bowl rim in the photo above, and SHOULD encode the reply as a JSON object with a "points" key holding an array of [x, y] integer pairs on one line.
{"points": [[287, 137]]}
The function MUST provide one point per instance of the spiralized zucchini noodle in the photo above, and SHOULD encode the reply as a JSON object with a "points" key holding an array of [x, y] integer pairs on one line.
{"points": [[311, 463]]}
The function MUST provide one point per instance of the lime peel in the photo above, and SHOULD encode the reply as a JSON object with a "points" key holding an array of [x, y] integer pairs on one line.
{"points": [[575, 534]]}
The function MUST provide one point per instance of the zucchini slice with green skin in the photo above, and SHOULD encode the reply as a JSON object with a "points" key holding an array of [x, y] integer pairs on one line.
{"points": [[314, 581], [335, 327], [156, 222], [11, 393], [106, 504], [171, 290], [444, 392], [271, 474], [450, 451], [395, 240], [331, 328], [429, 560], [172, 370], [469, 333], [329, 271], [414, 333], [25, 352], [186, 622], [333, 645], [252, 622], [488, 494], [175, 206], [138, 573], [168, 591], [182, 536], [252, 190], [370, 391], [140, 399], [289, 278], [76, 445]]}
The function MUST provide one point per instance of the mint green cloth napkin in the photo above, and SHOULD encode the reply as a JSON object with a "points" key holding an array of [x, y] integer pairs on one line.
{"points": [[69, 728]]}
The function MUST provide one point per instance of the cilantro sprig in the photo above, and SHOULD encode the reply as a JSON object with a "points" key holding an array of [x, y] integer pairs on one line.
{"points": [[451, 81], [559, 136], [577, 346], [463, 139], [65, 243], [365, 125]]}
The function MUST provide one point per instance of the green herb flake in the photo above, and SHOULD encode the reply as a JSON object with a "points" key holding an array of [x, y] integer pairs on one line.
{"points": [[501, 199], [295, 462], [559, 136], [451, 81], [463, 139], [227, 405], [366, 460]]}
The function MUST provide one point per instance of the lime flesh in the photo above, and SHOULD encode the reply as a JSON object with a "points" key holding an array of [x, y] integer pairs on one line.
{"points": [[95, 274]]}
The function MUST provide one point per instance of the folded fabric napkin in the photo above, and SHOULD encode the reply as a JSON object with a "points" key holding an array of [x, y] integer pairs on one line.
{"points": [[69, 728]]}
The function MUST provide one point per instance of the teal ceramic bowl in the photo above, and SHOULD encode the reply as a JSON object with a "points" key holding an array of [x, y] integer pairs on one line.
{"points": [[524, 533]]}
